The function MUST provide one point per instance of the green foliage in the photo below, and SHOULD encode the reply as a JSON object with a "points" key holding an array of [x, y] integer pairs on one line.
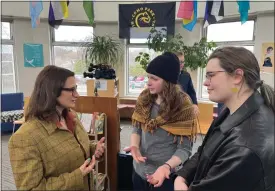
{"points": [[79, 67], [195, 56], [143, 59], [136, 70], [102, 50]]}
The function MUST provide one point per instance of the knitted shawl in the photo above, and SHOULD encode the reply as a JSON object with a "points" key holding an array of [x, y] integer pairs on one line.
{"points": [[180, 122]]}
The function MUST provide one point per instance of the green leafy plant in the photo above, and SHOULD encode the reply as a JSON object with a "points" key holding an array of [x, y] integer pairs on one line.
{"points": [[143, 59], [102, 50], [195, 56]]}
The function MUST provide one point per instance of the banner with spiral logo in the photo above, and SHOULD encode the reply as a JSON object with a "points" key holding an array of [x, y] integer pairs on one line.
{"points": [[146, 15]]}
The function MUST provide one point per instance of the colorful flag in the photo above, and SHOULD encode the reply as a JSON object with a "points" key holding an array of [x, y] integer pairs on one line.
{"points": [[36, 8], [89, 10], [57, 12], [244, 6], [190, 23], [186, 9], [214, 12]]}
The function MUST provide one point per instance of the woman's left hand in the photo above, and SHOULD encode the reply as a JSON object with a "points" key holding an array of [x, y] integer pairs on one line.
{"points": [[159, 176], [100, 148]]}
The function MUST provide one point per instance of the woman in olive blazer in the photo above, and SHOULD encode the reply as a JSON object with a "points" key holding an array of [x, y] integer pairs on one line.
{"points": [[51, 150]]}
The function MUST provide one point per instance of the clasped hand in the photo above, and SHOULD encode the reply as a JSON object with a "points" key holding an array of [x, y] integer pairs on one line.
{"points": [[159, 176]]}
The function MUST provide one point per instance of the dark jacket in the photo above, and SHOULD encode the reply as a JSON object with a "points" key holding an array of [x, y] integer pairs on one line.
{"points": [[237, 154], [186, 84]]}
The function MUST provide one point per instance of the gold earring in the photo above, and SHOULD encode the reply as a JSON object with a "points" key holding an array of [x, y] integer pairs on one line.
{"points": [[234, 90]]}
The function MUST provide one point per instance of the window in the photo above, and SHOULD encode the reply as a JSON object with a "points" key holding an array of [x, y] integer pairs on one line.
{"points": [[68, 51], [7, 61], [136, 77], [227, 34]]}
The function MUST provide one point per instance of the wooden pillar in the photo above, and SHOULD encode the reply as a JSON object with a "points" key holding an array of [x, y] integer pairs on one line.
{"points": [[107, 105]]}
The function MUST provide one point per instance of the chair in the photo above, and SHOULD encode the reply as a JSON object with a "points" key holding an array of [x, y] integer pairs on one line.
{"points": [[205, 117], [22, 120], [11, 110]]}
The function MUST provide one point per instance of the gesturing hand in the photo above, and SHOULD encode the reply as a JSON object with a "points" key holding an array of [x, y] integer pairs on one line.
{"points": [[135, 154], [88, 166], [100, 148], [159, 176]]}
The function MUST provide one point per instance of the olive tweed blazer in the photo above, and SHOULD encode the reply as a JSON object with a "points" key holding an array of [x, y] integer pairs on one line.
{"points": [[45, 157]]}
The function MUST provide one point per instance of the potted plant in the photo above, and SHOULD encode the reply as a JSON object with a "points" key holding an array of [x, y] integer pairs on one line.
{"points": [[195, 56], [102, 50]]}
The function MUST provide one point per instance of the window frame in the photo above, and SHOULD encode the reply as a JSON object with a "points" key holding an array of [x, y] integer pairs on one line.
{"points": [[200, 73], [126, 73], [65, 43], [11, 42]]}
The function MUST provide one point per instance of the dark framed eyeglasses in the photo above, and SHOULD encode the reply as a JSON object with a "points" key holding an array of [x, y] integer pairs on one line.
{"points": [[73, 90], [210, 74]]}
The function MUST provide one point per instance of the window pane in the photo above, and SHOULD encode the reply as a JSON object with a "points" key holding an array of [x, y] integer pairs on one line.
{"points": [[6, 30], [204, 93], [231, 31], [8, 84], [138, 40], [7, 68], [72, 58], [67, 33], [137, 77]]}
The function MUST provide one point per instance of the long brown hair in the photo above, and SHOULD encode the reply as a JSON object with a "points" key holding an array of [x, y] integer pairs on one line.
{"points": [[232, 58], [172, 98], [47, 89]]}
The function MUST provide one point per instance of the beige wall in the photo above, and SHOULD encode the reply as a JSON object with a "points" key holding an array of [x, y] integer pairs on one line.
{"points": [[108, 10], [264, 32], [23, 33]]}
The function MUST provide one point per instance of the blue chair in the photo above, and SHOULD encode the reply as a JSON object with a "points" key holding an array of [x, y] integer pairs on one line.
{"points": [[11, 110]]}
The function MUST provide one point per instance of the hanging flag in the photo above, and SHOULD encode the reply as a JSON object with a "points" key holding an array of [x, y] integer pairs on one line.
{"points": [[190, 23], [214, 12], [185, 10], [89, 10], [146, 16], [57, 12], [36, 8], [244, 6]]}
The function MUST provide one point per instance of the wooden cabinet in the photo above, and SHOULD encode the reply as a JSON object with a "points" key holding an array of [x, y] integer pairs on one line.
{"points": [[205, 117], [105, 88], [89, 105]]}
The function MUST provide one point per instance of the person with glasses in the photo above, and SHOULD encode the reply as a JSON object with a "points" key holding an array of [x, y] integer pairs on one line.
{"points": [[238, 150], [52, 150], [185, 81]]}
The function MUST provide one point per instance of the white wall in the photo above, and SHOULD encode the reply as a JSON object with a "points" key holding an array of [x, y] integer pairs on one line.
{"points": [[23, 33], [264, 32], [108, 11]]}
